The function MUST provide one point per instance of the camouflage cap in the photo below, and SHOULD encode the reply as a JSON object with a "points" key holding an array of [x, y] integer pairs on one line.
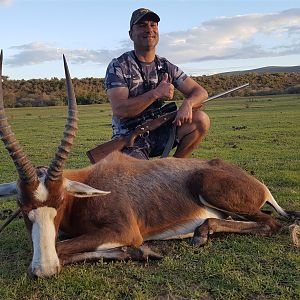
{"points": [[140, 13]]}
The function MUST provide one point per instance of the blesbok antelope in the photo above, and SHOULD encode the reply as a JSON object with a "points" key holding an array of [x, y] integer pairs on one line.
{"points": [[127, 201]]}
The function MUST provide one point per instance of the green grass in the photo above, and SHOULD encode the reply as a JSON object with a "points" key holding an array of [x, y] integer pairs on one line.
{"points": [[262, 135]]}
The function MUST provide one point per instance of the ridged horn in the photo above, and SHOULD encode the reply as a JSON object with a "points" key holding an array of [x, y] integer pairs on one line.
{"points": [[57, 165], [26, 170]]}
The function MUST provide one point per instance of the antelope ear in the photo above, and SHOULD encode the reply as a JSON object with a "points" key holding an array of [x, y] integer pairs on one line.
{"points": [[8, 189], [82, 190]]}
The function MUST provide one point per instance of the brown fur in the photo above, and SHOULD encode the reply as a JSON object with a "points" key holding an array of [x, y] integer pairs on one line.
{"points": [[150, 197]]}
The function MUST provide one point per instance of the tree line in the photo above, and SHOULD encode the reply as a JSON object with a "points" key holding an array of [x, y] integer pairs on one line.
{"points": [[52, 92]]}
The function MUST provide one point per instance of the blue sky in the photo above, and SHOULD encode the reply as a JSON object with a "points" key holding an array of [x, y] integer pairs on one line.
{"points": [[202, 37]]}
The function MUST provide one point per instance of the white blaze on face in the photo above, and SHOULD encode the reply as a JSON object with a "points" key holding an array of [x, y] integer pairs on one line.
{"points": [[41, 193], [45, 261]]}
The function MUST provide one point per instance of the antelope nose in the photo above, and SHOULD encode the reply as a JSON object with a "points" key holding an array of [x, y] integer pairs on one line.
{"points": [[30, 273], [38, 271]]}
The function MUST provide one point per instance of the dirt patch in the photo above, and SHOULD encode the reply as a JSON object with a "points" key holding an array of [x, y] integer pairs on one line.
{"points": [[239, 127]]}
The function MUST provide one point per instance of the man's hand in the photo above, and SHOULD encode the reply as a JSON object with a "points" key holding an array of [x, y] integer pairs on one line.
{"points": [[165, 89], [184, 114]]}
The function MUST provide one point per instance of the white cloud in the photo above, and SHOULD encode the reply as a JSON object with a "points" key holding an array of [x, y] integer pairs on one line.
{"points": [[39, 52], [245, 36], [223, 38], [6, 2]]}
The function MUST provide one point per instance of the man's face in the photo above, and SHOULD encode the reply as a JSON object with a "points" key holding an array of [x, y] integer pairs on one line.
{"points": [[145, 34]]}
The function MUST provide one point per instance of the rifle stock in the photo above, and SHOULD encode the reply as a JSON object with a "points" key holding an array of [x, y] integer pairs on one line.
{"points": [[120, 143], [102, 150]]}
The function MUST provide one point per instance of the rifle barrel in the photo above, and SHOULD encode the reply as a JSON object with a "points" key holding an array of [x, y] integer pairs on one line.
{"points": [[226, 92]]}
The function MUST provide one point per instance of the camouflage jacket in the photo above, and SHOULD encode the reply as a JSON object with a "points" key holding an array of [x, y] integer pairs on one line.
{"points": [[124, 71]]}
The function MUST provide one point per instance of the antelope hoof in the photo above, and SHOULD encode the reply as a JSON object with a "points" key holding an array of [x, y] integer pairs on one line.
{"points": [[39, 272], [198, 241], [293, 214], [148, 253], [142, 253]]}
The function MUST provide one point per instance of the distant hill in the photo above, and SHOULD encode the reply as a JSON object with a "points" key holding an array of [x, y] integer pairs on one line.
{"points": [[46, 92], [270, 69]]}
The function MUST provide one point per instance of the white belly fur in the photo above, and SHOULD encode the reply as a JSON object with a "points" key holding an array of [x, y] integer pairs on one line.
{"points": [[187, 229]]}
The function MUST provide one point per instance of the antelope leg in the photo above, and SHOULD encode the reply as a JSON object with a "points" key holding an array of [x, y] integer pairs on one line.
{"points": [[211, 226], [120, 253]]}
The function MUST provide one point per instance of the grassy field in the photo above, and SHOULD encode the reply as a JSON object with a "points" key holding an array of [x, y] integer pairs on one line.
{"points": [[262, 135]]}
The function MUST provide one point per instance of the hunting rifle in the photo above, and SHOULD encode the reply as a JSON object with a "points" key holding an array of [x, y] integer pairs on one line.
{"points": [[151, 124]]}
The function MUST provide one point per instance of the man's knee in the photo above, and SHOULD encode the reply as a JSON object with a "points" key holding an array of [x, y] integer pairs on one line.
{"points": [[199, 127], [202, 121]]}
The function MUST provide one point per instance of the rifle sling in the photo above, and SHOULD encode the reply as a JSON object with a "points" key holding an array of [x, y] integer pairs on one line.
{"points": [[170, 142]]}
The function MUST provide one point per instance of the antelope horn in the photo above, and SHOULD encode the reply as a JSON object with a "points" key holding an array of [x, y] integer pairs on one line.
{"points": [[24, 167], [57, 165]]}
